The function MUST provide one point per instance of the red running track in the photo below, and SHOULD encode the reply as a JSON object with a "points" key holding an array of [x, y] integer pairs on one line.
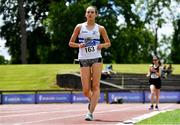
{"points": [[72, 114]]}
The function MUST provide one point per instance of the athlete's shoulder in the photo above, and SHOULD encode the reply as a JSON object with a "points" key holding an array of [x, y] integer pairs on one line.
{"points": [[79, 25], [101, 28]]}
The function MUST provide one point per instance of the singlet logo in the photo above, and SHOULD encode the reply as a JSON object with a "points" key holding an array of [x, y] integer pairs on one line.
{"points": [[84, 31], [90, 42], [87, 41]]}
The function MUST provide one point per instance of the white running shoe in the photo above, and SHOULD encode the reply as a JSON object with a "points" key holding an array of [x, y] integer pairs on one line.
{"points": [[156, 108], [89, 117]]}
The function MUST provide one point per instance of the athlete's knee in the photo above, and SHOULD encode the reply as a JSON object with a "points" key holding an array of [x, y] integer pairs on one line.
{"points": [[86, 93], [157, 94], [95, 88], [152, 93]]}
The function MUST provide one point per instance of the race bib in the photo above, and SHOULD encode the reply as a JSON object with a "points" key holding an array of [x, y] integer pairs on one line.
{"points": [[90, 49], [90, 45], [154, 76]]}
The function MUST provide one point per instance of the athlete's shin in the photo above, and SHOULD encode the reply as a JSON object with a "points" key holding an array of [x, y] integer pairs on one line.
{"points": [[94, 98], [157, 96], [152, 97], [87, 93]]}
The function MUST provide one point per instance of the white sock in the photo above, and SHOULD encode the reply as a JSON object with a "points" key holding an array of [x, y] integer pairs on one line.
{"points": [[89, 112]]}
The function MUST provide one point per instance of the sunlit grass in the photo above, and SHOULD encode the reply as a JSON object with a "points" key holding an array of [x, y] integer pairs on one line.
{"points": [[25, 77], [43, 76], [166, 118]]}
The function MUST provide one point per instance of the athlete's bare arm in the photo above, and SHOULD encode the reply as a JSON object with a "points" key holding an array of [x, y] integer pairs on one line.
{"points": [[107, 42], [158, 73], [74, 36]]}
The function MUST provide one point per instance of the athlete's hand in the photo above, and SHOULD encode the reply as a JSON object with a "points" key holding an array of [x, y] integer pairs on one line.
{"points": [[153, 70], [99, 47], [81, 45]]}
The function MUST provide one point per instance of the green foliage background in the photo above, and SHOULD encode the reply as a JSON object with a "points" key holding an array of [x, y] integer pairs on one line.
{"points": [[49, 27]]}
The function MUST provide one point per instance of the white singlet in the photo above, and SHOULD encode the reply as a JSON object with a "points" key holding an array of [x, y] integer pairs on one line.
{"points": [[153, 75], [91, 39]]}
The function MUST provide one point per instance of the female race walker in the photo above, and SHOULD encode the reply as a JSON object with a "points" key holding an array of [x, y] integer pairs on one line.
{"points": [[89, 56], [154, 74]]}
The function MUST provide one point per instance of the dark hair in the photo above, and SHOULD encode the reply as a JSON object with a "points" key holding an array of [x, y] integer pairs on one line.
{"points": [[156, 57], [96, 11]]}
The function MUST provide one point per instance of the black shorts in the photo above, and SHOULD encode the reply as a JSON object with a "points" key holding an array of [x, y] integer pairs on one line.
{"points": [[89, 62], [155, 82]]}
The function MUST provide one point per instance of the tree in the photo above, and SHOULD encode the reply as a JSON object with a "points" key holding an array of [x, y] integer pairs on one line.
{"points": [[63, 18], [133, 46], [39, 44], [61, 21], [128, 43], [23, 34], [35, 13], [10, 29], [3, 60], [108, 18], [175, 17], [165, 43], [175, 56], [152, 13], [49, 27]]}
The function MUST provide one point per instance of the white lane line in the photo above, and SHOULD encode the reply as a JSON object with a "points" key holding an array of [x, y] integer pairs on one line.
{"points": [[50, 119], [38, 113], [45, 112], [77, 115], [35, 109], [17, 111], [145, 116]]}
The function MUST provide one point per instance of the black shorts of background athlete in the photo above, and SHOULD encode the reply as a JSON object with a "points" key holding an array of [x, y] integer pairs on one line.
{"points": [[155, 82], [89, 62]]}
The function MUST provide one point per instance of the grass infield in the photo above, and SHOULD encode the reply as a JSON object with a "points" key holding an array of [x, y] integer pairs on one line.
{"points": [[43, 76], [165, 118]]}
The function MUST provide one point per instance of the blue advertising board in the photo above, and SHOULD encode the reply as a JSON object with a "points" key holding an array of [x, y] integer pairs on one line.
{"points": [[0, 98], [125, 96], [101, 98], [18, 98], [165, 96], [54, 97], [46, 98], [79, 97]]}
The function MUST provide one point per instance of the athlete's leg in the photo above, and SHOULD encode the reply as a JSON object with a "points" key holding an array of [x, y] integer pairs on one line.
{"points": [[86, 80], [152, 88], [157, 91], [96, 75]]}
